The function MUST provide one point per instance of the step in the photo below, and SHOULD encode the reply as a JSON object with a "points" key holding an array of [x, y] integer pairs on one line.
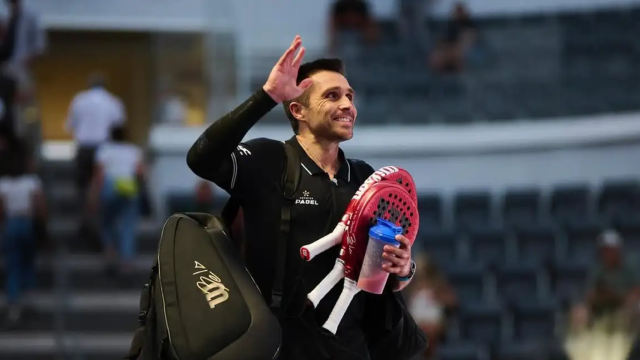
{"points": [[62, 199], [64, 230], [44, 345], [86, 272], [86, 312], [45, 276]]}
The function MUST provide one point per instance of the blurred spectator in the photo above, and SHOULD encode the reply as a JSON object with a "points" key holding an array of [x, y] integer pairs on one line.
{"points": [[613, 290], [24, 41], [172, 108], [412, 25], [451, 53], [8, 98], [350, 25], [430, 296], [115, 193], [204, 197], [92, 115], [22, 206]]}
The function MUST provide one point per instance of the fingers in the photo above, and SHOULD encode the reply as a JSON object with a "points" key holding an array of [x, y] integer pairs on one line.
{"points": [[405, 243], [288, 55], [298, 59], [397, 252], [393, 268]]}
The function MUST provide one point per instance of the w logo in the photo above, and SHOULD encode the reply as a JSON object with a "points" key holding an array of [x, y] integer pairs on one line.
{"points": [[211, 286]]}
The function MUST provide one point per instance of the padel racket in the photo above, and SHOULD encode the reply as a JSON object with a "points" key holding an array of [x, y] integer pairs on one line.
{"points": [[387, 173]]}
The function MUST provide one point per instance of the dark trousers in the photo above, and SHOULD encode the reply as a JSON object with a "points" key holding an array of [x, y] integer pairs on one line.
{"points": [[84, 164]]}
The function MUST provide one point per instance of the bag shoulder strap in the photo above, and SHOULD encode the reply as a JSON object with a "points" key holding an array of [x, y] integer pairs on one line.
{"points": [[361, 170], [290, 182], [142, 332]]}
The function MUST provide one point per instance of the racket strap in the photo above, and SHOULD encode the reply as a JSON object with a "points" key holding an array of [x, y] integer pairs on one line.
{"points": [[290, 181]]}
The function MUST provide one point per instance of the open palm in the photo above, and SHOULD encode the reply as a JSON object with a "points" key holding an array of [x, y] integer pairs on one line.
{"points": [[281, 84]]}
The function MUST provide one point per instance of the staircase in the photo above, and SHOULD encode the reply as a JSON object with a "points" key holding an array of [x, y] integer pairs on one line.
{"points": [[78, 312]]}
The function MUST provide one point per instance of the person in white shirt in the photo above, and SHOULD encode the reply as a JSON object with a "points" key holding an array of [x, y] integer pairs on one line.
{"points": [[22, 202], [115, 193], [92, 115]]}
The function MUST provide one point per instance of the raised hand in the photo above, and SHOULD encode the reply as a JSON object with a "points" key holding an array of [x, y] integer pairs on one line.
{"points": [[281, 84]]}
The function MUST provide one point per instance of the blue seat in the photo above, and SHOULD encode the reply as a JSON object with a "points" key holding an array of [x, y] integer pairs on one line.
{"points": [[570, 202], [488, 245], [581, 238], [534, 320], [619, 197], [569, 280], [441, 246], [467, 280], [430, 207], [472, 209], [482, 323], [629, 228], [461, 351], [536, 244], [517, 283], [521, 207], [518, 350]]}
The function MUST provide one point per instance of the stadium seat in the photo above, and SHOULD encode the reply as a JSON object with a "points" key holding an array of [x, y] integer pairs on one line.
{"points": [[568, 281], [472, 209], [569, 202], [488, 245], [534, 320], [461, 351], [521, 207], [482, 323], [468, 281], [516, 283], [581, 238], [430, 207], [629, 229], [617, 198], [536, 244], [441, 246]]}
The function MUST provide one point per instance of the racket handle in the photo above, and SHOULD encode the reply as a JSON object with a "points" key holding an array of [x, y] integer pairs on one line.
{"points": [[327, 283], [326, 242], [350, 290]]}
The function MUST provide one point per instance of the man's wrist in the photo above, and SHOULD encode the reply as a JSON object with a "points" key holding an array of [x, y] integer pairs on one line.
{"points": [[409, 274]]}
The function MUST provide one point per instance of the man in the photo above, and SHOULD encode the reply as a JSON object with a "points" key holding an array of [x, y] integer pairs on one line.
{"points": [[25, 41], [613, 286], [350, 25], [319, 104], [92, 115]]}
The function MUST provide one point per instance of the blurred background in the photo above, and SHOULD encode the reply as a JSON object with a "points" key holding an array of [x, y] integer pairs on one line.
{"points": [[519, 120]]}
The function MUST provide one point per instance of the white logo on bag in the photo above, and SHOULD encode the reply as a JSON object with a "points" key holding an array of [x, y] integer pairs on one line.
{"points": [[243, 150], [306, 199], [211, 285]]}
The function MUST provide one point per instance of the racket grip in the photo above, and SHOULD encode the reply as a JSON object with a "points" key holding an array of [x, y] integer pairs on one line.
{"points": [[326, 242], [350, 290], [327, 283]]}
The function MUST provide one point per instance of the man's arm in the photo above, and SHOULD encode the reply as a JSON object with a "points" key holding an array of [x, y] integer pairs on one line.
{"points": [[70, 124], [212, 156]]}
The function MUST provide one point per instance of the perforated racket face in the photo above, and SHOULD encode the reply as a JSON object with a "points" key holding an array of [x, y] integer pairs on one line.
{"points": [[388, 200], [387, 173]]}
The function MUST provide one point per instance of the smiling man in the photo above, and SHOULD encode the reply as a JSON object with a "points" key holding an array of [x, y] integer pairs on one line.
{"points": [[318, 101]]}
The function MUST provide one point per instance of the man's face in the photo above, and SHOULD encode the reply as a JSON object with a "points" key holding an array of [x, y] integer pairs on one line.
{"points": [[331, 113]]}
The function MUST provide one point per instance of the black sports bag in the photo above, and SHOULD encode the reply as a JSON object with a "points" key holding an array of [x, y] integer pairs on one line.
{"points": [[200, 302]]}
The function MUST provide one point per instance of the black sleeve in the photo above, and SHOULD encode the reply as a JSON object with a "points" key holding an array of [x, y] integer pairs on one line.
{"points": [[218, 156]]}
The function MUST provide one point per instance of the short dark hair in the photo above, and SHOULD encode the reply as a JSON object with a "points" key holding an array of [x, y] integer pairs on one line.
{"points": [[118, 133], [307, 70]]}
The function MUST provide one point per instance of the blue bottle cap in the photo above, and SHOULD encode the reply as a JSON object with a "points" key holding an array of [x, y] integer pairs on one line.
{"points": [[386, 231]]}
